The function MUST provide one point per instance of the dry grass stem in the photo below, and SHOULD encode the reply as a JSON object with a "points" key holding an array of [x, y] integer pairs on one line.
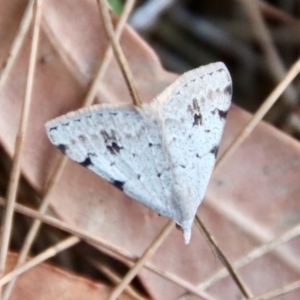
{"points": [[70, 229], [34, 228], [48, 253], [114, 277], [19, 144], [279, 292], [142, 260], [276, 66], [221, 256], [252, 255], [254, 230], [278, 14], [260, 113], [17, 43], [96, 241], [121, 59], [130, 258], [108, 54]]}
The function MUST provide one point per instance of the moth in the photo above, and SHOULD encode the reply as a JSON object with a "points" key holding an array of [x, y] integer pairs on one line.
{"points": [[162, 153]]}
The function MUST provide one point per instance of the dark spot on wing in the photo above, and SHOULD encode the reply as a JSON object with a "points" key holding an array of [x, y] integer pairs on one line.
{"points": [[111, 141], [228, 90], [197, 119], [114, 148], [150, 144], [196, 105], [158, 174], [73, 142], [63, 148], [207, 130], [194, 109], [214, 151], [113, 113], [193, 80], [108, 137], [78, 120], [222, 113], [118, 184], [183, 166], [139, 176], [87, 162], [66, 124], [53, 128], [82, 138]]}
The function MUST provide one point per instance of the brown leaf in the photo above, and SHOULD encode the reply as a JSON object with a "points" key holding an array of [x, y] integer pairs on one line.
{"points": [[48, 282], [250, 201]]}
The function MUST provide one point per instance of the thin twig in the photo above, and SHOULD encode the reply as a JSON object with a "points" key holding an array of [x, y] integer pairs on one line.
{"points": [[255, 230], [17, 43], [260, 113], [131, 258], [30, 237], [113, 276], [90, 238], [96, 241], [19, 144], [279, 292], [244, 290], [108, 53], [264, 38], [118, 52], [62, 163], [142, 260], [279, 14], [48, 253], [252, 255]]}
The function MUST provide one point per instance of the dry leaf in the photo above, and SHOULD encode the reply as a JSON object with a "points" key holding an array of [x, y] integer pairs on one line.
{"points": [[48, 282], [250, 201]]}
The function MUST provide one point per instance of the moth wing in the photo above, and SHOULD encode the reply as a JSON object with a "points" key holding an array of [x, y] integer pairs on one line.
{"points": [[161, 154], [192, 113], [118, 144]]}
